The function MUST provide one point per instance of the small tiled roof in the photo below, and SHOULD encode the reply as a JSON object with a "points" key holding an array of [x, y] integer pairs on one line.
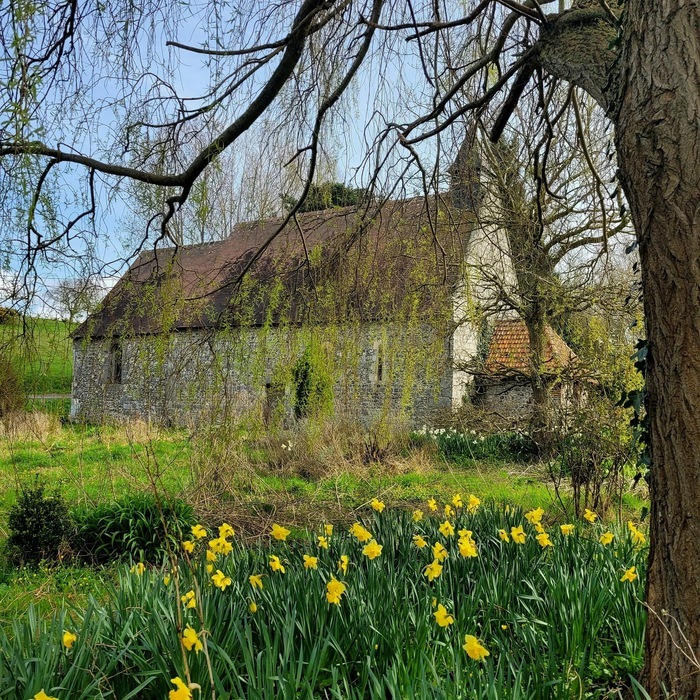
{"points": [[509, 351]]}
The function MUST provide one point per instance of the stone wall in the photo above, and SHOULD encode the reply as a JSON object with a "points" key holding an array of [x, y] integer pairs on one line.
{"points": [[373, 369]]}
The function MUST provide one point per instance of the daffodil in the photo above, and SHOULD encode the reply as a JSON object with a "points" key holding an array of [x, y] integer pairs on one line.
{"points": [[276, 564], [539, 528], [138, 569], [361, 533], [198, 532], [467, 548], [543, 540], [419, 541], [279, 532], [190, 640], [220, 546], [211, 556], [637, 536], [334, 590], [209, 568], [432, 504], [504, 535], [433, 570], [475, 650], [343, 563], [606, 538], [630, 574], [534, 516], [41, 695], [189, 599], [225, 531], [457, 501], [518, 534], [449, 510], [328, 530], [417, 515], [589, 515], [567, 529], [442, 617], [372, 550], [322, 542], [182, 692], [166, 580], [447, 529], [220, 580], [377, 505], [439, 552], [253, 606], [473, 503], [256, 581], [310, 562], [68, 639], [188, 546]]}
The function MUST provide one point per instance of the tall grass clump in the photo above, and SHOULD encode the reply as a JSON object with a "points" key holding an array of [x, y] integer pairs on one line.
{"points": [[516, 609]]}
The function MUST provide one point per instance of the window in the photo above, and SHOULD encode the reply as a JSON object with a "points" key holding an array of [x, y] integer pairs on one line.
{"points": [[379, 367], [115, 363]]}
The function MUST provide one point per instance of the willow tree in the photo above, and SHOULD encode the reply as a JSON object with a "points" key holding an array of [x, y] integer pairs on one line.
{"points": [[270, 64]]}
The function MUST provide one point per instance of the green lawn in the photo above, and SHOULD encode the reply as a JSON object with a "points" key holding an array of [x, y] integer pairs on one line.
{"points": [[42, 352]]}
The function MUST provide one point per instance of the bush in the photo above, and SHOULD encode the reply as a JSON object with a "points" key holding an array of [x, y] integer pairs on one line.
{"points": [[39, 526], [133, 527], [8, 315]]}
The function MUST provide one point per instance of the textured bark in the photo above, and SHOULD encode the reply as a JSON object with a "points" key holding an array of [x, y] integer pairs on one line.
{"points": [[658, 140]]}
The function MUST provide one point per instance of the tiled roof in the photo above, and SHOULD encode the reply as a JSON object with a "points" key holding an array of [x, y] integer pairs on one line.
{"points": [[392, 242], [509, 351]]}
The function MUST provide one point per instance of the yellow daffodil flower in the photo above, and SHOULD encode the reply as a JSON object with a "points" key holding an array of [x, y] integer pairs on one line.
{"points": [[190, 640], [606, 538], [188, 546], [534, 516], [447, 529], [377, 505], [41, 695], [361, 533], [276, 564], [630, 574], [417, 515], [467, 548], [310, 562], [189, 599], [457, 501], [449, 510], [328, 530], [334, 590], [567, 529], [256, 581], [439, 552], [473, 504], [322, 542], [279, 532], [544, 541], [372, 550], [166, 580], [518, 534], [220, 579], [474, 648], [504, 627], [209, 568], [637, 536], [138, 569], [442, 617], [198, 532], [419, 541], [182, 692], [225, 531], [432, 504], [433, 570], [68, 639], [590, 516], [504, 535], [253, 607], [343, 563], [211, 556], [220, 546]]}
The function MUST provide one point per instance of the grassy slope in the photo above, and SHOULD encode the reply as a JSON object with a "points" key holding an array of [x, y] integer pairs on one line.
{"points": [[42, 353]]}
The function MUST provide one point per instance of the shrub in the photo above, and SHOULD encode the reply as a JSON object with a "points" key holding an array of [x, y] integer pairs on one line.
{"points": [[39, 526], [133, 527], [8, 315]]}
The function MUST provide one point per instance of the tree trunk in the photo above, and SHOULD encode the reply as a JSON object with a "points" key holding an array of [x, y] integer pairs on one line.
{"points": [[658, 140], [540, 419]]}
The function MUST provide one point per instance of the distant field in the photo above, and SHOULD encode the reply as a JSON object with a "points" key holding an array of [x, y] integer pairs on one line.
{"points": [[42, 352]]}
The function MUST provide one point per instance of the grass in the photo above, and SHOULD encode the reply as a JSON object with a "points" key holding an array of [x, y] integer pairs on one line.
{"points": [[557, 622], [42, 352]]}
